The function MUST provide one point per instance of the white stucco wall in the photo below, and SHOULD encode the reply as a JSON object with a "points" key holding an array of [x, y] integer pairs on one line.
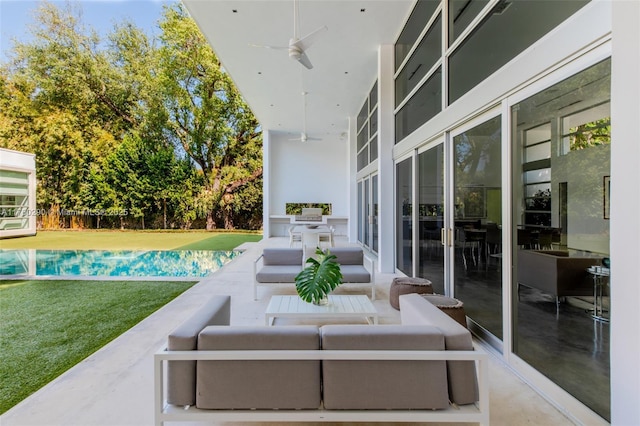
{"points": [[625, 205], [308, 172]]}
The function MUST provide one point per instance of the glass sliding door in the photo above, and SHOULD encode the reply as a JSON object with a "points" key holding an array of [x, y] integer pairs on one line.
{"points": [[404, 224], [361, 221], [477, 223], [374, 213], [561, 140], [431, 214], [368, 212], [366, 222]]}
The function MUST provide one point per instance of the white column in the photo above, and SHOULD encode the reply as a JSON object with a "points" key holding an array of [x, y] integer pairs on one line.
{"points": [[386, 141], [625, 208], [266, 166], [352, 166]]}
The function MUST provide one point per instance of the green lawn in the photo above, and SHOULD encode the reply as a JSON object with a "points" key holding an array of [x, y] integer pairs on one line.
{"points": [[131, 240], [47, 327]]}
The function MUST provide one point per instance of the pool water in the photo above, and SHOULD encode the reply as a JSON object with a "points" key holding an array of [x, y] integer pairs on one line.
{"points": [[113, 263]]}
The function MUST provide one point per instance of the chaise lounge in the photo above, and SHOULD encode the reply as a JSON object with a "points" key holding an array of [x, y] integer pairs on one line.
{"points": [[416, 371]]}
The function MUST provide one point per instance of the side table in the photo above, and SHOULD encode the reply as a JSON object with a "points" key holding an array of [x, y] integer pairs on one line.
{"points": [[600, 279]]}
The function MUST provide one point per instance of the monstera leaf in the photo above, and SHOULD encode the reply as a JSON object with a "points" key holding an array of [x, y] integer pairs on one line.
{"points": [[319, 278]]}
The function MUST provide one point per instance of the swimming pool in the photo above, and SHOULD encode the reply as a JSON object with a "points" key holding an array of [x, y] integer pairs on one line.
{"points": [[158, 264]]}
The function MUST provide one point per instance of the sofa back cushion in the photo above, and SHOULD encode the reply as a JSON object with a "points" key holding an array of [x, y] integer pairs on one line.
{"points": [[181, 375], [258, 384], [463, 385], [282, 256], [355, 385], [348, 255]]}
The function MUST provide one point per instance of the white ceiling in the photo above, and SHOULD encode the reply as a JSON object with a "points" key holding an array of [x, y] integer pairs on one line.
{"points": [[344, 56]]}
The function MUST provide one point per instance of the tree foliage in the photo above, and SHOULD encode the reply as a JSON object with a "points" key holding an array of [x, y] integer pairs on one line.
{"points": [[155, 128], [209, 120]]}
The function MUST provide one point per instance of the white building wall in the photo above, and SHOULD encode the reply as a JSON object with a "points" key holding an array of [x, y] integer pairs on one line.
{"points": [[625, 205], [307, 172]]}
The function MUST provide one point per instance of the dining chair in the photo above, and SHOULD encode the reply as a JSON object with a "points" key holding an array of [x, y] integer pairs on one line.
{"points": [[294, 237]]}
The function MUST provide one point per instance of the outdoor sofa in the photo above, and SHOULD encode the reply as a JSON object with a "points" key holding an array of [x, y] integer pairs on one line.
{"points": [[415, 371], [282, 265], [555, 272]]}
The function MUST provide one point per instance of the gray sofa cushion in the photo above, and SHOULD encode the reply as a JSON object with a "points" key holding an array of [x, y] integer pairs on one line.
{"points": [[282, 256], [383, 384], [415, 310], [278, 274], [354, 274], [348, 255], [258, 384], [181, 375]]}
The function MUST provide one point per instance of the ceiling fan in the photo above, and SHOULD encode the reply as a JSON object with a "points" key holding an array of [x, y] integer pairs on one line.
{"points": [[303, 135], [297, 46]]}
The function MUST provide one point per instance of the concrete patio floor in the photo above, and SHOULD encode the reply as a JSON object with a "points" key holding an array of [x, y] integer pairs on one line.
{"points": [[114, 386]]}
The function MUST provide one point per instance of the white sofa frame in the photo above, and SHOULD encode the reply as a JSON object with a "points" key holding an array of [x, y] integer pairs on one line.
{"points": [[478, 412], [367, 263]]}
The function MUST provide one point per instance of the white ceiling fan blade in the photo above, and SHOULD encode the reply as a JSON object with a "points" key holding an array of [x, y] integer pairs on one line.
{"points": [[306, 41], [304, 60], [269, 47]]}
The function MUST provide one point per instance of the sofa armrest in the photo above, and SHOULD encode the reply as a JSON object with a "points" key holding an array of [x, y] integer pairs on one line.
{"points": [[255, 275], [416, 310], [181, 375]]}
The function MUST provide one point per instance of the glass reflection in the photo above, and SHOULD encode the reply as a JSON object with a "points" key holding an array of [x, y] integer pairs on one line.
{"points": [[404, 202], [431, 216], [478, 222], [560, 217]]}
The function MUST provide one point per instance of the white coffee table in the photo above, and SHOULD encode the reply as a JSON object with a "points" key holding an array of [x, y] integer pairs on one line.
{"points": [[339, 306]]}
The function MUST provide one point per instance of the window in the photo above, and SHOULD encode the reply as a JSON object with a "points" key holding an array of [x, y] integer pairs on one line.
{"points": [[422, 106], [461, 13], [14, 200], [537, 176], [425, 56], [415, 24], [508, 29], [367, 123]]}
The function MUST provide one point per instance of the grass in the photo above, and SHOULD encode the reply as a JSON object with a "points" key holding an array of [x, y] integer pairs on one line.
{"points": [[131, 240], [46, 327], [49, 326]]}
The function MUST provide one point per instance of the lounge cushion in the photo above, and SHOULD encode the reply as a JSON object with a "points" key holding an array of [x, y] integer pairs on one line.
{"points": [[348, 255], [383, 384], [282, 256], [181, 375], [416, 310], [258, 384], [354, 274], [278, 274]]}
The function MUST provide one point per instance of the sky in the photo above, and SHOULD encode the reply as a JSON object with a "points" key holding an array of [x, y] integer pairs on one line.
{"points": [[17, 15]]}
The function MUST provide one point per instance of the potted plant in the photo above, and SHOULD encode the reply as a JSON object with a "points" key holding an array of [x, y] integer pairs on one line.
{"points": [[319, 278]]}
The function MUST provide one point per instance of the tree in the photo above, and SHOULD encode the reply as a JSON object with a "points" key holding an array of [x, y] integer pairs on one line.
{"points": [[122, 125], [207, 118]]}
